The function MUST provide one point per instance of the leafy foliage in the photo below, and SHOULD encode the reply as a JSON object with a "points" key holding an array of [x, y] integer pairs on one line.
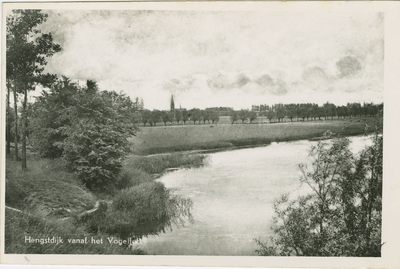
{"points": [[27, 53], [87, 127], [342, 214]]}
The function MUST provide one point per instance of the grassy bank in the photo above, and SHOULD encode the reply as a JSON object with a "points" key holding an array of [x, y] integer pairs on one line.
{"points": [[18, 226], [153, 140], [47, 200], [46, 186]]}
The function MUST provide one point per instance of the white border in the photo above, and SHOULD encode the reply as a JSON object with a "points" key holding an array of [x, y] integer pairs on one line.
{"points": [[391, 189]]}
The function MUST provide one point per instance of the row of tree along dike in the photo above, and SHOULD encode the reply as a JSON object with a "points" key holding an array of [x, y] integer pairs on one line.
{"points": [[77, 140], [274, 113]]}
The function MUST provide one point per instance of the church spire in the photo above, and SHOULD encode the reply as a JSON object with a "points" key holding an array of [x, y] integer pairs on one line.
{"points": [[172, 103]]}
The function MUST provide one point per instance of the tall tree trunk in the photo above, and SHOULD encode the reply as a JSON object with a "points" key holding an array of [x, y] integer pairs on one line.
{"points": [[24, 125], [16, 123], [8, 124]]}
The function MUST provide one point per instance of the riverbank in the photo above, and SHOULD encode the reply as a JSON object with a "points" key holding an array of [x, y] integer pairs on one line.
{"points": [[211, 138], [47, 199]]}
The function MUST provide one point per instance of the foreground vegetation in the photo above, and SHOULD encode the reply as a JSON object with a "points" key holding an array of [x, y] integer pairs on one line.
{"points": [[342, 216], [49, 200]]}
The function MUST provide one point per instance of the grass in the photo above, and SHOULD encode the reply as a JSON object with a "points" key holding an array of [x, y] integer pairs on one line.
{"points": [[18, 225], [47, 193], [46, 185], [162, 139], [157, 164]]}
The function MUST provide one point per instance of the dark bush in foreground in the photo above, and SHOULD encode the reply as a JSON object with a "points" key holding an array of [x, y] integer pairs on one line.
{"points": [[342, 214]]}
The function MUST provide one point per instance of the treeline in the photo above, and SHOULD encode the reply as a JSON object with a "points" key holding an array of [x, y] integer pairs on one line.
{"points": [[308, 111], [209, 115]]}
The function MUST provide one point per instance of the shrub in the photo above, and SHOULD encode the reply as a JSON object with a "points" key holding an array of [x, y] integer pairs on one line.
{"points": [[87, 127], [342, 214], [146, 209]]}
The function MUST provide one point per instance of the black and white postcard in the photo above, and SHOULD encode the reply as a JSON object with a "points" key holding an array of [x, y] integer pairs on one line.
{"points": [[251, 134]]}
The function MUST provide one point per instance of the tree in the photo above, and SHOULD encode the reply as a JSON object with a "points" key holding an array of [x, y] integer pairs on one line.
{"points": [[86, 127], [242, 114], [214, 116], [195, 115], [51, 115], [146, 114], [291, 111], [178, 115], [185, 115], [205, 115], [165, 117], [27, 51], [330, 110], [171, 116], [8, 120], [138, 104], [279, 111], [342, 214], [234, 116], [270, 114], [314, 111], [252, 115], [154, 117]]}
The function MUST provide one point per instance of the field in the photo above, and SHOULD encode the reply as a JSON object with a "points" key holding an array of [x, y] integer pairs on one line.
{"points": [[160, 139]]}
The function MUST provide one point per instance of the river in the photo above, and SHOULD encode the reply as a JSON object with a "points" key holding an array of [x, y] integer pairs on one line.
{"points": [[233, 198]]}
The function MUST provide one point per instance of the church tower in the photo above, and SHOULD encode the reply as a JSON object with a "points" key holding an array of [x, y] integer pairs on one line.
{"points": [[172, 103]]}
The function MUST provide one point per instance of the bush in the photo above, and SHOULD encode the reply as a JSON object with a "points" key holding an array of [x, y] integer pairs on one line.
{"points": [[146, 209], [342, 214], [87, 127]]}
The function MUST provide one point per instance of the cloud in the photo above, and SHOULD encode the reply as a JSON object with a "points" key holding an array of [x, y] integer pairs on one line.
{"points": [[316, 78], [265, 80], [205, 57], [348, 66], [276, 86], [219, 82], [242, 80]]}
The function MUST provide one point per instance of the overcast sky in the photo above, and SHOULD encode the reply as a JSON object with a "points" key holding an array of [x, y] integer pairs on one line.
{"points": [[231, 58]]}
